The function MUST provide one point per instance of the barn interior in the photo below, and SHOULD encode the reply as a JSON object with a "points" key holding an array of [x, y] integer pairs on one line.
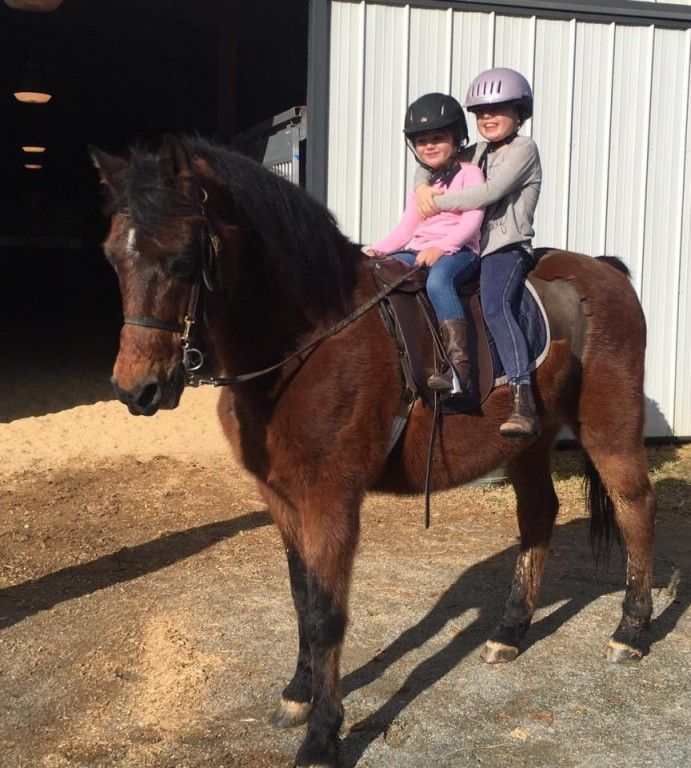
{"points": [[118, 74]]}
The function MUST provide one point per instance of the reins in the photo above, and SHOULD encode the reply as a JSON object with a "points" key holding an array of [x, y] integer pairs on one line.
{"points": [[193, 357], [332, 331]]}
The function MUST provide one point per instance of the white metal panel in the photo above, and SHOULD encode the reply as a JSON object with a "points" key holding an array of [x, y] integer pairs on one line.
{"points": [[590, 143], [628, 158], [682, 402], [662, 254], [555, 44], [345, 111], [387, 33]]}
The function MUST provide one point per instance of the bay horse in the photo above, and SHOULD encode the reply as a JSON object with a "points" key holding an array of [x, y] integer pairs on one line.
{"points": [[314, 432]]}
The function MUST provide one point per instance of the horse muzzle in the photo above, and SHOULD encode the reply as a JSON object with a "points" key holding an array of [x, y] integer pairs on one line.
{"points": [[153, 394]]}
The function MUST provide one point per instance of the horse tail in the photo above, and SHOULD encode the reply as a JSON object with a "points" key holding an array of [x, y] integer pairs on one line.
{"points": [[603, 527], [616, 262]]}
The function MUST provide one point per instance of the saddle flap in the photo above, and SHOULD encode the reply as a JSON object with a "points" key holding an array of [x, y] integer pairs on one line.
{"points": [[414, 319], [387, 270]]}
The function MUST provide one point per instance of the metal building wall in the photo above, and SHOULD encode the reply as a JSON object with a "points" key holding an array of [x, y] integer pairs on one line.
{"points": [[612, 120]]}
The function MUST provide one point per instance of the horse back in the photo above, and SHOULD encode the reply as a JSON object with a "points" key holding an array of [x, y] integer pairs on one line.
{"points": [[590, 302]]}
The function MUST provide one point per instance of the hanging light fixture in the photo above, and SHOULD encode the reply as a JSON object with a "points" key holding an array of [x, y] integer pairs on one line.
{"points": [[33, 166], [32, 89], [38, 6], [34, 148]]}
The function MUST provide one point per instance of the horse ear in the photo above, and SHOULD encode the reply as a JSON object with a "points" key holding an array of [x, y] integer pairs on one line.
{"points": [[108, 166], [175, 163]]}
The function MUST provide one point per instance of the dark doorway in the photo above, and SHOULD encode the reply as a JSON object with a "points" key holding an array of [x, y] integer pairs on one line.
{"points": [[120, 73]]}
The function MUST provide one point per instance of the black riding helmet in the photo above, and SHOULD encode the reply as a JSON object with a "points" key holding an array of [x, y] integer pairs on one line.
{"points": [[436, 110]]}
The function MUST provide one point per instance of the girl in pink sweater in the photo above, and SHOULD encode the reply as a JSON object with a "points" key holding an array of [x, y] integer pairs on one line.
{"points": [[448, 243]]}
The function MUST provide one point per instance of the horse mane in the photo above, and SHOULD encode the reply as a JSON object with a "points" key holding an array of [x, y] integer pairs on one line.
{"points": [[141, 190], [294, 235]]}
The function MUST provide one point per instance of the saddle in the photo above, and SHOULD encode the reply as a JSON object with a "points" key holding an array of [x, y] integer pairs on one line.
{"points": [[410, 319]]}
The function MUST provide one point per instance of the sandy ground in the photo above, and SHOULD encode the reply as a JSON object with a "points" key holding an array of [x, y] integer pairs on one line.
{"points": [[146, 622]]}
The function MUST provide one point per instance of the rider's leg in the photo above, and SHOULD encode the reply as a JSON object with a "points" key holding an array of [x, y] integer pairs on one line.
{"points": [[449, 272], [501, 282]]}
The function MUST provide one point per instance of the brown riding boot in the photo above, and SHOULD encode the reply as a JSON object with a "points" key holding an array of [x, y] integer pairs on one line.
{"points": [[454, 335], [523, 421]]}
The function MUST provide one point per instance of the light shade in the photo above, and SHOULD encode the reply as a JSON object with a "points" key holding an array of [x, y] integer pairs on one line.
{"points": [[40, 6], [32, 89], [34, 148], [33, 166]]}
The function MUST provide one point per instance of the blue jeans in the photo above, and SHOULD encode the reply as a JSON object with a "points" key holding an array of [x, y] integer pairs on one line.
{"points": [[501, 281], [443, 278]]}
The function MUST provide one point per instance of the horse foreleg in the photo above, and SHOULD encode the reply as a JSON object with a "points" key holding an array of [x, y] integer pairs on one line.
{"points": [[296, 702], [328, 548], [536, 508]]}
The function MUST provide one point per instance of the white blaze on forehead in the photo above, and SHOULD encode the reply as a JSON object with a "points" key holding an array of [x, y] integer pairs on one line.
{"points": [[132, 241]]}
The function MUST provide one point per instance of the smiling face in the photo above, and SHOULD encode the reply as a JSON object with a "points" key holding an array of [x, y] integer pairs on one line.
{"points": [[434, 148], [497, 122]]}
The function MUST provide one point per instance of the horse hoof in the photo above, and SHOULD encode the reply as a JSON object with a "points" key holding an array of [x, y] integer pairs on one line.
{"points": [[289, 713], [620, 653], [498, 653]]}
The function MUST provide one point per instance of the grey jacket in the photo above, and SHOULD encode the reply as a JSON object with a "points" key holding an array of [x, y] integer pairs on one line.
{"points": [[509, 195]]}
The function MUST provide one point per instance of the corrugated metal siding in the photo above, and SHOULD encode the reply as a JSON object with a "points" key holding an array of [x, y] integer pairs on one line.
{"points": [[613, 122]]}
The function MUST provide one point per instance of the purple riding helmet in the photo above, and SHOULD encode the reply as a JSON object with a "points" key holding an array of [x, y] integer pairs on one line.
{"points": [[501, 86]]}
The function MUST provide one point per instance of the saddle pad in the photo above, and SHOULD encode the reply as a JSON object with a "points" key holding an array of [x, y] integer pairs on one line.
{"points": [[532, 319]]}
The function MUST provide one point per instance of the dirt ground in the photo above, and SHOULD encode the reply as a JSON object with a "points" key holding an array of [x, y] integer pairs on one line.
{"points": [[146, 620]]}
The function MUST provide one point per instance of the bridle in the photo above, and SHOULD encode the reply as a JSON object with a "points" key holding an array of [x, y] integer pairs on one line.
{"points": [[192, 356], [206, 276]]}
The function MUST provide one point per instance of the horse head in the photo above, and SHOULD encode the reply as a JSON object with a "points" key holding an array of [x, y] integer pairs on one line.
{"points": [[157, 234]]}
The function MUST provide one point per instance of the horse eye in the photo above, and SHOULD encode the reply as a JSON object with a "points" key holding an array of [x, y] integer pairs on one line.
{"points": [[181, 268]]}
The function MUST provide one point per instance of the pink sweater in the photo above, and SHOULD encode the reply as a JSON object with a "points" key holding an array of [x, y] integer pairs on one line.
{"points": [[449, 230]]}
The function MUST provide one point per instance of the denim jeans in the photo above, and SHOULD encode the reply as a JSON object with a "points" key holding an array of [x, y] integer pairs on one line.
{"points": [[501, 280], [443, 278]]}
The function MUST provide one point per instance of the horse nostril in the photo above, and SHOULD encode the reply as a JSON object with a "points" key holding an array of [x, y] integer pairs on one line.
{"points": [[150, 395]]}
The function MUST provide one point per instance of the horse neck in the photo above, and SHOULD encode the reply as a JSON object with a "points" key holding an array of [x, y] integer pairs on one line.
{"points": [[254, 323]]}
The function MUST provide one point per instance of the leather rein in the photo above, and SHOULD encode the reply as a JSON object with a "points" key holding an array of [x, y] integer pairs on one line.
{"points": [[192, 355]]}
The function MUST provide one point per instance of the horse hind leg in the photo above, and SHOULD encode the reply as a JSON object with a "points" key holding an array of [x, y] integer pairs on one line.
{"points": [[627, 497], [537, 506]]}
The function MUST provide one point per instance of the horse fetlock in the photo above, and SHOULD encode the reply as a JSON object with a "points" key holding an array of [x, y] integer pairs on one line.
{"points": [[318, 751], [629, 633]]}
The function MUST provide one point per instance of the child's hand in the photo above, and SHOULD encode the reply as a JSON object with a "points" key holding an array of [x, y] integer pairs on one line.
{"points": [[372, 253], [424, 199], [429, 256]]}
